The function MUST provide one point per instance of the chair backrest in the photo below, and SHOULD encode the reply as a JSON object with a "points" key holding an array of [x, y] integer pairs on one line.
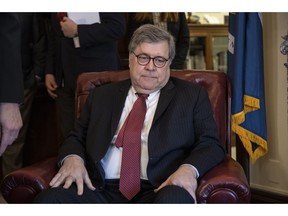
{"points": [[216, 83]]}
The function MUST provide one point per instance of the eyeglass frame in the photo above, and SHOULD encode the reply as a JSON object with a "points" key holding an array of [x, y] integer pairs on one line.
{"points": [[153, 59]]}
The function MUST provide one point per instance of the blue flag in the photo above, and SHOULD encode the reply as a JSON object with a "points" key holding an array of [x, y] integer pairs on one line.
{"points": [[245, 69]]}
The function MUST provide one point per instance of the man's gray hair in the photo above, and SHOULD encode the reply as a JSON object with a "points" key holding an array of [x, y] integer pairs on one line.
{"points": [[149, 33]]}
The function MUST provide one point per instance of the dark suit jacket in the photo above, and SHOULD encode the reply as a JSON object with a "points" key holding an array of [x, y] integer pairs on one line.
{"points": [[179, 30], [11, 78], [98, 48], [33, 47], [183, 130]]}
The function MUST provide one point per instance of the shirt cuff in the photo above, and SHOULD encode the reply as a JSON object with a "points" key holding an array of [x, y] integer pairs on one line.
{"points": [[196, 171], [62, 161]]}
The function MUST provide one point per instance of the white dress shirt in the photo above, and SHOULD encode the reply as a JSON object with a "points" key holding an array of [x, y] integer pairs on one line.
{"points": [[112, 160]]}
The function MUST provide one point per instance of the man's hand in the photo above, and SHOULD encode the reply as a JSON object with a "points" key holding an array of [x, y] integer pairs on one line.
{"points": [[69, 27], [51, 85], [185, 177], [72, 170], [10, 124]]}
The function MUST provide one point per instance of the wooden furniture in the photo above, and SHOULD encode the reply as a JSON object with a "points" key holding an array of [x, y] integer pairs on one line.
{"points": [[225, 183], [211, 39]]}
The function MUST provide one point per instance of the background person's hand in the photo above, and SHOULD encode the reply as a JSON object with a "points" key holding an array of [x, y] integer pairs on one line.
{"points": [[69, 27], [51, 85], [10, 124]]}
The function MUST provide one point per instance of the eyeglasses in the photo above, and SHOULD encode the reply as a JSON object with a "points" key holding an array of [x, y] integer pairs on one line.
{"points": [[144, 59]]}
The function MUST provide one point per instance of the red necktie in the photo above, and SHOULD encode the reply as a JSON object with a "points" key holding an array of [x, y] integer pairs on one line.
{"points": [[129, 138]]}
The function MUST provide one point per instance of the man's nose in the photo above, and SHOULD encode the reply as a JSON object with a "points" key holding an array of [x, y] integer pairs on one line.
{"points": [[150, 65]]}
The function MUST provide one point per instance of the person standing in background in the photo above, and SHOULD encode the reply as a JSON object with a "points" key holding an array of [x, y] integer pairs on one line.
{"points": [[33, 54], [97, 51], [175, 23], [11, 79]]}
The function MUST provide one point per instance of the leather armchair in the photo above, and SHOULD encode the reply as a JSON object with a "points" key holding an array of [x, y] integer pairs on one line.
{"points": [[225, 183]]}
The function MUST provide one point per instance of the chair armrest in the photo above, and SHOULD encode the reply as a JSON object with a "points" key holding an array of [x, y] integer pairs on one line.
{"points": [[225, 183], [21, 186]]}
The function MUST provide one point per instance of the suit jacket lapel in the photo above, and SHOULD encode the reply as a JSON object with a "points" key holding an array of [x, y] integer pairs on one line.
{"points": [[166, 95], [118, 104]]}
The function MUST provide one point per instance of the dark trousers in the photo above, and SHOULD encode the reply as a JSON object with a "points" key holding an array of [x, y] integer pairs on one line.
{"points": [[12, 159], [111, 194], [65, 111]]}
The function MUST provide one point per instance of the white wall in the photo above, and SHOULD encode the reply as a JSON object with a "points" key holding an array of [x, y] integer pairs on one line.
{"points": [[270, 172]]}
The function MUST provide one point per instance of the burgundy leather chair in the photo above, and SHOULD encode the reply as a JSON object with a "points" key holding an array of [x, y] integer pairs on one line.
{"points": [[225, 183]]}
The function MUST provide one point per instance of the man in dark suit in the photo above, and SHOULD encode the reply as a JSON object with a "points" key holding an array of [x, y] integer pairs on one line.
{"points": [[179, 141], [97, 51], [11, 79], [33, 54]]}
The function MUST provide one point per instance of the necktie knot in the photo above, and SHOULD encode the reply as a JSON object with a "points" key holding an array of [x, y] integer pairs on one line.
{"points": [[142, 95]]}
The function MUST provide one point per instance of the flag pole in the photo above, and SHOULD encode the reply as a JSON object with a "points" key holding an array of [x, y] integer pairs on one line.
{"points": [[242, 157]]}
